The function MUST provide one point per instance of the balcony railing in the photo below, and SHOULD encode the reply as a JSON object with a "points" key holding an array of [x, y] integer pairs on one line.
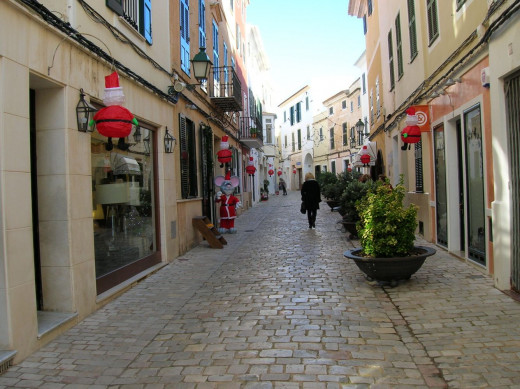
{"points": [[251, 132], [225, 89]]}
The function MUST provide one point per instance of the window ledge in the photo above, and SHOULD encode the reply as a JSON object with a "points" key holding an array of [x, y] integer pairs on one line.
{"points": [[132, 29]]}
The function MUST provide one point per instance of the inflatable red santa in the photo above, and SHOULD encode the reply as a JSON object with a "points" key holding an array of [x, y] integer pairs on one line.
{"points": [[114, 121], [224, 154]]}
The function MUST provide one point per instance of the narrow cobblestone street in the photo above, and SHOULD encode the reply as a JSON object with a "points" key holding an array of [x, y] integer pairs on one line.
{"points": [[280, 307]]}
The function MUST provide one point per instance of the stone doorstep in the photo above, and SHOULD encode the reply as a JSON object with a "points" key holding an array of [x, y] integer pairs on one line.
{"points": [[6, 360]]}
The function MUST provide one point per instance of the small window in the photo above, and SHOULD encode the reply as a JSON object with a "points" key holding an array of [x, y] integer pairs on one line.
{"points": [[391, 60], [433, 21], [344, 104], [399, 46], [331, 133], [351, 106], [331, 110], [333, 166], [412, 29], [138, 13]]}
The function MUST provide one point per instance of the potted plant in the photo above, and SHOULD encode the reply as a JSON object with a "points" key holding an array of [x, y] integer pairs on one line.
{"points": [[354, 192], [386, 230], [252, 131], [332, 187]]}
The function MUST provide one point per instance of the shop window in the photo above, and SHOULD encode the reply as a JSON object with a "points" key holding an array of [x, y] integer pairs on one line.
{"points": [[123, 208]]}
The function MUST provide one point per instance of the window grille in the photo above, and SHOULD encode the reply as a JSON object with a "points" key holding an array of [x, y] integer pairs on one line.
{"points": [[419, 187]]}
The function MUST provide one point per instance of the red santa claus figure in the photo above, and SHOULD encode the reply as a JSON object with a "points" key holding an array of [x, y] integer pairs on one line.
{"points": [[250, 168], [114, 121], [412, 132], [228, 202], [224, 155]]}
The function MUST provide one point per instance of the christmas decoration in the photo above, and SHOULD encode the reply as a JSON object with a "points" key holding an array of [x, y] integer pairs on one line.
{"points": [[364, 155], [114, 120], [224, 154], [411, 133], [279, 173], [250, 168], [228, 202]]}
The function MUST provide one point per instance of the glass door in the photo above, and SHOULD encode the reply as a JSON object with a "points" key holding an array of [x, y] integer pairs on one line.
{"points": [[475, 231], [441, 197]]}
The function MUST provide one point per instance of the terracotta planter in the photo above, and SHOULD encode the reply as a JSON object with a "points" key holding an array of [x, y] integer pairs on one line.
{"points": [[390, 269], [333, 204]]}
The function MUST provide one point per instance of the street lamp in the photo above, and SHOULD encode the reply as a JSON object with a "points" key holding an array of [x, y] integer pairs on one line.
{"points": [[201, 64], [360, 126]]}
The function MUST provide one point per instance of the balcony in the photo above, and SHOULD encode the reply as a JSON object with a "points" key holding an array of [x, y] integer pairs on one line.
{"points": [[251, 132], [225, 90]]}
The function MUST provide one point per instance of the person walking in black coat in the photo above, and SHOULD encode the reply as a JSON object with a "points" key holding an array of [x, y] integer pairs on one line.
{"points": [[311, 197]]}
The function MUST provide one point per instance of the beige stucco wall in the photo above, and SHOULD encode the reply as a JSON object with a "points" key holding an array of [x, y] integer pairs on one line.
{"points": [[64, 171], [504, 59]]}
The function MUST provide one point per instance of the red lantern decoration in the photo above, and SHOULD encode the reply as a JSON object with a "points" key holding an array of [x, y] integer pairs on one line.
{"points": [[279, 173], [294, 171], [224, 154], [270, 172], [250, 168], [412, 132]]}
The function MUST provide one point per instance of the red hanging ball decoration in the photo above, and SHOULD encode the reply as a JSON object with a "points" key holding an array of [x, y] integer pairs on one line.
{"points": [[114, 121], [279, 173], [250, 169], [270, 172], [294, 171]]}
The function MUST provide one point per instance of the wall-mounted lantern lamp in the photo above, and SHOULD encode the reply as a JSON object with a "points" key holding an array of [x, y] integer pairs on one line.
{"points": [[201, 65], [169, 142], [84, 112]]}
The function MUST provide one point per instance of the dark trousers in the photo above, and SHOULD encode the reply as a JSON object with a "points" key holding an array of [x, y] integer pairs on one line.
{"points": [[311, 216]]}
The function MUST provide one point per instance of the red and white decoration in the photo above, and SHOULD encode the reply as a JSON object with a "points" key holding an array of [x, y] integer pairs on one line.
{"points": [[224, 154], [250, 168], [411, 133], [114, 120]]}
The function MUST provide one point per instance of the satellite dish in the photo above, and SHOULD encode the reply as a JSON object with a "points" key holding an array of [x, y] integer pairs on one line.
{"points": [[179, 86]]}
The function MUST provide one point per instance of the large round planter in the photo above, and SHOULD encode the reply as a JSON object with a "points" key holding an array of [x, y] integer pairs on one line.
{"points": [[390, 269], [350, 227]]}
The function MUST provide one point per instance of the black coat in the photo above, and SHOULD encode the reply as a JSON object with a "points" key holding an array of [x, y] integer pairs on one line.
{"points": [[311, 194]]}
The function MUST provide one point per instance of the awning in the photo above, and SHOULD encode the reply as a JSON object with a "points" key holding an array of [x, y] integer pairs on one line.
{"points": [[123, 164]]}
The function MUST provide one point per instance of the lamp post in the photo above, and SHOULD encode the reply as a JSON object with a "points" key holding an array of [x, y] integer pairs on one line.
{"points": [[360, 126], [84, 112], [201, 64]]}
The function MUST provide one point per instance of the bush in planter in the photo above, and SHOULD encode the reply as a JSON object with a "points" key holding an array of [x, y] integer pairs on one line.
{"points": [[354, 192], [327, 181], [386, 228]]}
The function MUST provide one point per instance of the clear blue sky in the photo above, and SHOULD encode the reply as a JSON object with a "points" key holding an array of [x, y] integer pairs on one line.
{"points": [[309, 43]]}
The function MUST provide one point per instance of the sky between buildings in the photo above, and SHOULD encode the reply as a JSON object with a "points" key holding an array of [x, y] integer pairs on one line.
{"points": [[309, 43]]}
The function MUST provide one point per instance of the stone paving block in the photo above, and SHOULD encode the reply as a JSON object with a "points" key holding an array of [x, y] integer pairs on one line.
{"points": [[290, 313]]}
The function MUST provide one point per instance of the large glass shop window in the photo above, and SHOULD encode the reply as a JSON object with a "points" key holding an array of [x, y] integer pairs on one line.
{"points": [[123, 206]]}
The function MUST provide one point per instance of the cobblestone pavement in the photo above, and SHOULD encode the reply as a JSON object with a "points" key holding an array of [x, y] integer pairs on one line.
{"points": [[280, 307]]}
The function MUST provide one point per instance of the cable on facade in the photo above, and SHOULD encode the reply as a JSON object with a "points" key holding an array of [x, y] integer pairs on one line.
{"points": [[506, 15], [76, 36]]}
